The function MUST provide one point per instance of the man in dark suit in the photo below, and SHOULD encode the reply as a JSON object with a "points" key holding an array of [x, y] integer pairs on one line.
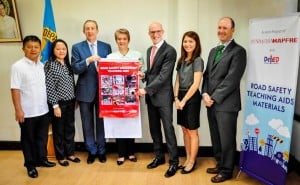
{"points": [[221, 95], [161, 58], [85, 55]]}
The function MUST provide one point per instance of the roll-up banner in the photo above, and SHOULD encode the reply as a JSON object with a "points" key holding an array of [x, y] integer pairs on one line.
{"points": [[273, 60]]}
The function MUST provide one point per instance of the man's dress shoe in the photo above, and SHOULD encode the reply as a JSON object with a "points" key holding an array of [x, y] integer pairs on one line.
{"points": [[102, 158], [172, 170], [91, 159], [32, 172], [47, 164], [155, 163], [214, 170], [219, 178]]}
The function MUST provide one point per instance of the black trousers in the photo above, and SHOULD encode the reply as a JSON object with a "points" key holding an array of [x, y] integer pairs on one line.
{"points": [[164, 116], [125, 146], [34, 138], [223, 126], [64, 130]]}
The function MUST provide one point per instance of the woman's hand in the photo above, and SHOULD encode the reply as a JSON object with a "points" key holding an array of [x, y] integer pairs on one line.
{"points": [[57, 112]]}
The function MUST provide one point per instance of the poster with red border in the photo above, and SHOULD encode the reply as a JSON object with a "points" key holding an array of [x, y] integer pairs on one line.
{"points": [[118, 83]]}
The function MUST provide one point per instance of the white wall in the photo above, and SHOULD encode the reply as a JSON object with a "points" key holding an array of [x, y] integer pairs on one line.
{"points": [[177, 16]]}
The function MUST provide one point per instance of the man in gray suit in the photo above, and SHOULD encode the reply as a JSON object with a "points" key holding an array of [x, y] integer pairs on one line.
{"points": [[221, 95], [161, 58]]}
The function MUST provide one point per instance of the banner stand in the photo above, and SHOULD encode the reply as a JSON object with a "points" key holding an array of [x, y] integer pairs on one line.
{"points": [[272, 71]]}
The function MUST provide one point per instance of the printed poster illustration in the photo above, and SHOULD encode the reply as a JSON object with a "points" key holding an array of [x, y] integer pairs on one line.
{"points": [[118, 82]]}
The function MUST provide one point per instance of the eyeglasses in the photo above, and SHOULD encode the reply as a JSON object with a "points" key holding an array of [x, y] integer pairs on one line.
{"points": [[153, 32]]}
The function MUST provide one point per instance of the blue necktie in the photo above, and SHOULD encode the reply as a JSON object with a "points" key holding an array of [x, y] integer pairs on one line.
{"points": [[93, 51]]}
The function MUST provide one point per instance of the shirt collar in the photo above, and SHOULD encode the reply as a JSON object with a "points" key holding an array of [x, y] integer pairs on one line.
{"points": [[226, 43], [28, 61], [159, 44], [95, 43]]}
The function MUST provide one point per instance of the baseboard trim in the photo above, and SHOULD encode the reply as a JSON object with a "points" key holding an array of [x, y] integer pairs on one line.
{"points": [[297, 117], [294, 165], [10, 145], [204, 151]]}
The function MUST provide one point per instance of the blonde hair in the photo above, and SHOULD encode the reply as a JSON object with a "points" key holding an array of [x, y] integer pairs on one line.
{"points": [[122, 31]]}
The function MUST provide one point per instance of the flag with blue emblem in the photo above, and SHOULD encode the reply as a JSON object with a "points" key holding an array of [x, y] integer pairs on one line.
{"points": [[49, 31]]}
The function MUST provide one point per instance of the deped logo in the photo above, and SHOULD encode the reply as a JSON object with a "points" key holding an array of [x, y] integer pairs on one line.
{"points": [[271, 60]]}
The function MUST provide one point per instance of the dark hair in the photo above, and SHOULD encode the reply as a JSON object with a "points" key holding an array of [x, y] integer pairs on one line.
{"points": [[196, 52], [52, 57], [1, 2], [32, 38]]}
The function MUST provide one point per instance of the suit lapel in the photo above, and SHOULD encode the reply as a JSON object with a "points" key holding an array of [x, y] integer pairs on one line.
{"points": [[148, 58], [86, 48], [224, 53], [99, 48], [212, 57]]}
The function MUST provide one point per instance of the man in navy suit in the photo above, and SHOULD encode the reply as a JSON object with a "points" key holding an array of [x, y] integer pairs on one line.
{"points": [[84, 59], [221, 95], [161, 58]]}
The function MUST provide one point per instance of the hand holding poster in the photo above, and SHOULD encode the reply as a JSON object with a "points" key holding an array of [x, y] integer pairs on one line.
{"points": [[118, 82]]}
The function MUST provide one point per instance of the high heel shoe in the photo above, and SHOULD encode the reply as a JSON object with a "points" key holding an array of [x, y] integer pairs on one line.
{"points": [[183, 171], [120, 161], [132, 158], [63, 163], [74, 159]]}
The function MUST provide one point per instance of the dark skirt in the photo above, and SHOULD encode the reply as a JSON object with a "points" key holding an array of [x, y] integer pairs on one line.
{"points": [[189, 116]]}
